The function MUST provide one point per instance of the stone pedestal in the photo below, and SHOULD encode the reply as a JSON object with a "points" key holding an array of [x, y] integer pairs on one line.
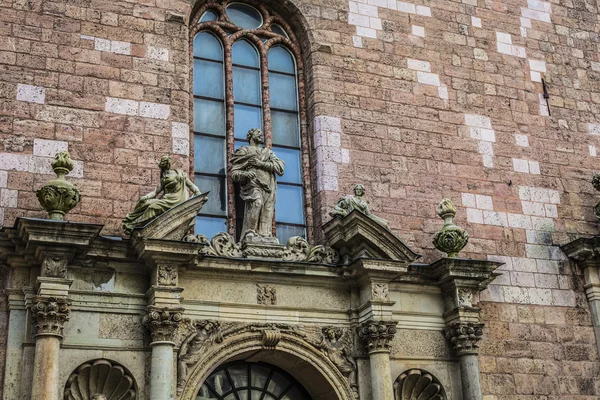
{"points": [[377, 336], [49, 315]]}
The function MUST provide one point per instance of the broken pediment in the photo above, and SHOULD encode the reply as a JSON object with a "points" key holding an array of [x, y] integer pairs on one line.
{"points": [[358, 236], [175, 223]]}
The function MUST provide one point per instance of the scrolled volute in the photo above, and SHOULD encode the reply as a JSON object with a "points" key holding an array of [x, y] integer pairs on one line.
{"points": [[464, 337], [49, 315], [377, 335], [162, 322]]}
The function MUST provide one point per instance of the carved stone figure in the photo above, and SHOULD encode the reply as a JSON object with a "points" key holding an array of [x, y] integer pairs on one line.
{"points": [[336, 344], [205, 334], [254, 168], [266, 295], [298, 249], [349, 203], [596, 184], [99, 380], [59, 196], [418, 384], [451, 238], [173, 185]]}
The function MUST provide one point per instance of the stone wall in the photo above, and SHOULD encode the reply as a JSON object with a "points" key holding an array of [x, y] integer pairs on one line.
{"points": [[417, 99]]}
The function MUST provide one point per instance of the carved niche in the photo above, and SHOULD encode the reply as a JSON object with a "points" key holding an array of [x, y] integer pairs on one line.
{"points": [[418, 384], [100, 380]]}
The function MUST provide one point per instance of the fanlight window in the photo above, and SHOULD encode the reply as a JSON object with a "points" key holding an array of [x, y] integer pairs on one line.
{"points": [[246, 76], [251, 381]]}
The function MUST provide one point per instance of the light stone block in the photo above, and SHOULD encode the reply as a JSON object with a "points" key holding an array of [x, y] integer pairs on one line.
{"points": [[519, 221], [329, 124], [468, 200], [508, 265], [3, 179], [547, 266], [478, 121], [475, 132], [532, 208], [524, 193], [565, 298], [485, 148], [594, 129], [522, 279], [353, 7], [488, 135], [536, 5], [8, 198], [427, 78], [537, 251], [484, 202], [543, 224], [595, 65], [121, 106], [154, 110], [593, 152], [333, 139], [406, 7], [375, 23], [553, 196], [120, 47], [378, 3], [181, 146], [392, 4], [86, 37], [537, 65], [368, 10], [180, 130], [531, 236], [418, 65], [488, 160], [546, 281], [48, 148], [101, 44], [540, 296], [524, 264], [502, 37], [535, 76], [504, 48], [345, 156], [495, 218], [31, 94], [520, 165], [476, 22], [540, 195], [418, 30], [424, 11], [492, 293], [534, 167], [14, 162], [525, 22], [519, 51], [357, 41], [522, 140], [158, 53], [443, 92], [474, 216], [359, 20], [551, 210], [516, 295]]}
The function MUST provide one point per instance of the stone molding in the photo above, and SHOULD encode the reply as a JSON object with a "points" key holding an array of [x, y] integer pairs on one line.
{"points": [[464, 337], [162, 322], [49, 315], [377, 335]]}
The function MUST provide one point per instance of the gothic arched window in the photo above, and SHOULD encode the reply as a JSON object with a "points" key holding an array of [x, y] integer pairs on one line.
{"points": [[246, 75]]}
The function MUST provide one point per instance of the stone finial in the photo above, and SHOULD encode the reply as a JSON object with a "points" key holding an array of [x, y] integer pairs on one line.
{"points": [[59, 196], [596, 184], [450, 239], [464, 337]]}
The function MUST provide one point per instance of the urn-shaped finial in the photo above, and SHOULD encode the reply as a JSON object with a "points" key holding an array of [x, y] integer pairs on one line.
{"points": [[451, 238], [59, 196]]}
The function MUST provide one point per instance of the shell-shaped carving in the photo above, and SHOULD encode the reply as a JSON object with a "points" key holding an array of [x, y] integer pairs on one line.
{"points": [[417, 384], [100, 380]]}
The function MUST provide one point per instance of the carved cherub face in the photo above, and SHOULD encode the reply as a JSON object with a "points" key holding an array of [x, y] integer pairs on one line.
{"points": [[359, 190]]}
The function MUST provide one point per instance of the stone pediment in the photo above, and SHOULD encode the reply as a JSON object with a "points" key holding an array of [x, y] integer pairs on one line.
{"points": [[173, 224], [358, 236]]}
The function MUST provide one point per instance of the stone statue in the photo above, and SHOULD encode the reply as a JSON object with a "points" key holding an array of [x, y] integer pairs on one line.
{"points": [[349, 203], [174, 183], [336, 344], [254, 168]]}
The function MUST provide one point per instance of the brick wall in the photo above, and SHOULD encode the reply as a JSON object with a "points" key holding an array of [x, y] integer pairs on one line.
{"points": [[417, 99]]}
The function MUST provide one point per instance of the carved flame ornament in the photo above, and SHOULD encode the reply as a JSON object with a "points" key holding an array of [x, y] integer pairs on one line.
{"points": [[451, 238], [59, 196], [418, 384], [100, 380]]}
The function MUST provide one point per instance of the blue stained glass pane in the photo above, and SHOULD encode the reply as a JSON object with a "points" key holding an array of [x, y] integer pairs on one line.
{"points": [[209, 155], [206, 45], [283, 91], [275, 28], [289, 206], [209, 227], [217, 198], [284, 232], [238, 143], [244, 16], [246, 85], [291, 158], [243, 53], [209, 117], [245, 118], [208, 16], [285, 128], [281, 60], [208, 79]]}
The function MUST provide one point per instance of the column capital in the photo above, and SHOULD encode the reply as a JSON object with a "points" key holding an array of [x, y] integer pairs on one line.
{"points": [[162, 322], [377, 335], [49, 315], [464, 337]]}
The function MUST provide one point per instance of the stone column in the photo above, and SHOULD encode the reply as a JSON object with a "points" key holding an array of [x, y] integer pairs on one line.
{"points": [[465, 338], [49, 315], [162, 323], [377, 336]]}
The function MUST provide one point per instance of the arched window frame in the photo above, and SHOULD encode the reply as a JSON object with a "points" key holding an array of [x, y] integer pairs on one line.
{"points": [[228, 33]]}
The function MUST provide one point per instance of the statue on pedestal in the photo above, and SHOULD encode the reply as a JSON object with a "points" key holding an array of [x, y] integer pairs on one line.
{"points": [[174, 185], [349, 203], [254, 168]]}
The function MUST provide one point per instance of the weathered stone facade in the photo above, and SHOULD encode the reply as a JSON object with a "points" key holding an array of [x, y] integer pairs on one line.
{"points": [[493, 104]]}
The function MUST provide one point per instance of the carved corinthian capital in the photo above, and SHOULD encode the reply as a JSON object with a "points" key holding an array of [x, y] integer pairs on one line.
{"points": [[377, 335], [464, 337], [162, 322], [49, 315]]}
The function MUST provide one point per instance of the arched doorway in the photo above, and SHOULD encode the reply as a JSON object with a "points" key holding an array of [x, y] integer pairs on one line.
{"points": [[243, 380]]}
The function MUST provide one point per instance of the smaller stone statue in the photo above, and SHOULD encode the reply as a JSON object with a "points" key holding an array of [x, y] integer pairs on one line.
{"points": [[349, 203], [451, 238], [59, 196], [336, 344], [174, 185], [596, 184], [254, 168]]}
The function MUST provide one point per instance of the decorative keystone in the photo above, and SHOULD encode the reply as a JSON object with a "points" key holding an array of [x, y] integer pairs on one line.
{"points": [[464, 337], [596, 184], [377, 335], [451, 238], [59, 196], [162, 322], [49, 315]]}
